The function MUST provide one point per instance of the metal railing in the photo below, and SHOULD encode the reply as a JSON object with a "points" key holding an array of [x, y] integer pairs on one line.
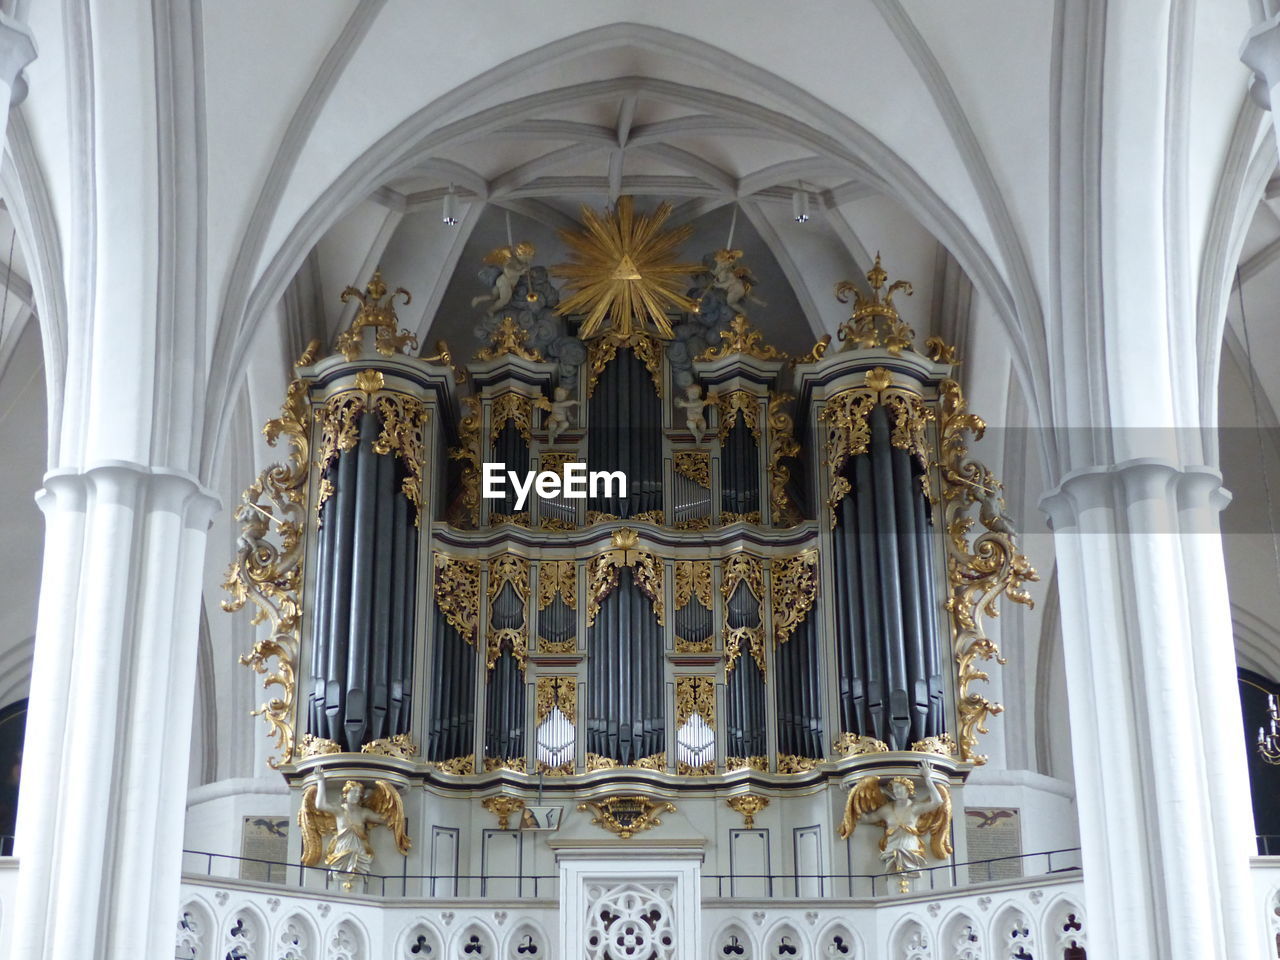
{"points": [[862, 886]]}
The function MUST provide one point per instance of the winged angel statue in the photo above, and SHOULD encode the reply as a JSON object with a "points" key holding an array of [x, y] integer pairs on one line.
{"points": [[906, 820], [349, 852]]}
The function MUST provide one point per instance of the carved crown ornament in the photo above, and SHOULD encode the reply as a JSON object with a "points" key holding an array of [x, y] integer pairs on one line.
{"points": [[627, 815]]}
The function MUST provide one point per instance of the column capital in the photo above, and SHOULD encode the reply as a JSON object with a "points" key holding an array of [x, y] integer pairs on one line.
{"points": [[1185, 487], [124, 481], [17, 49]]}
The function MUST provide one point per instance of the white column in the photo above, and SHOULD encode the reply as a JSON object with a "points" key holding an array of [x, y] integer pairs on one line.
{"points": [[17, 49], [1161, 784], [100, 819]]}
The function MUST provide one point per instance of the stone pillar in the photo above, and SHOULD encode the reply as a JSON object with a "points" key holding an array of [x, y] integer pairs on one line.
{"points": [[17, 49], [1165, 816], [100, 817]]}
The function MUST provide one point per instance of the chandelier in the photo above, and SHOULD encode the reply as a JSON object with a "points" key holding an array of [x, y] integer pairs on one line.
{"points": [[1269, 737]]}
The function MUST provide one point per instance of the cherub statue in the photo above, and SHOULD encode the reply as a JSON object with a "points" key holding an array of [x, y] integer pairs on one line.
{"points": [[513, 264], [693, 404], [736, 282], [558, 415], [905, 820], [349, 852]]}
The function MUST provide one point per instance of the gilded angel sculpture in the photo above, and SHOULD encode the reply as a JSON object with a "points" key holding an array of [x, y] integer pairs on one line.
{"points": [[348, 823], [906, 820], [512, 264]]}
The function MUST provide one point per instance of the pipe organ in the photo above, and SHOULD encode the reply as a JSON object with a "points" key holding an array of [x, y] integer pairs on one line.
{"points": [[787, 595]]}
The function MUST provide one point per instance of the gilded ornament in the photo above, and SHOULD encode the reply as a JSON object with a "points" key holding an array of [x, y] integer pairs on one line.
{"points": [[339, 421], [374, 312], [624, 271], [556, 523], [458, 766], [746, 763], [347, 824], [749, 806], [693, 523], [695, 695], [599, 516], [552, 692], [817, 353], [733, 404], [603, 570], [509, 339], [465, 510], [404, 433], [684, 645], [793, 763], [557, 646], [508, 570], [735, 638], [457, 590], [940, 352], [313, 746], [875, 322], [742, 568], [649, 516], [855, 744], [693, 579], [309, 355], [514, 764], [906, 820], [503, 807], [511, 408], [782, 447], [694, 465], [878, 379], [627, 815], [514, 519], [514, 263], [370, 382], [795, 588], [728, 516], [741, 338], [444, 357], [848, 435], [267, 569], [942, 745], [603, 349], [737, 569], [400, 746], [558, 578], [979, 570]]}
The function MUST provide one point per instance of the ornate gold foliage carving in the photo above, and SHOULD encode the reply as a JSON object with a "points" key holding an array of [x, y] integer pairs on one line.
{"points": [[444, 357], [979, 570], [374, 312], [746, 763], [601, 351], [458, 594], [556, 691], [911, 418], [792, 763], [646, 571], [875, 322], [940, 351], [404, 426], [728, 516], [782, 446], [693, 579], [817, 353], [465, 510], [655, 761], [511, 407], [693, 523], [627, 816], [749, 806], [695, 695], [400, 746], [742, 338], [943, 745], [458, 766], [514, 764], [735, 638], [515, 519], [848, 435], [504, 570], [694, 465], [313, 746], [339, 421], [309, 356], [853, 745], [509, 338], [558, 578], [502, 807], [743, 568], [734, 403], [267, 569], [738, 568], [795, 588]]}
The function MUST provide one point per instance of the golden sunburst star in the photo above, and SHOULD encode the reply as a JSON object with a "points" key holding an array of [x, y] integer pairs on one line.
{"points": [[625, 268]]}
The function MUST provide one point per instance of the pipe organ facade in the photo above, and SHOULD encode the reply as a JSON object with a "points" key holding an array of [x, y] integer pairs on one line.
{"points": [[781, 609]]}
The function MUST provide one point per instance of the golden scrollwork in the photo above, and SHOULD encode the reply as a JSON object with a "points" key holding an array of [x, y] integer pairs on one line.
{"points": [[817, 353], [794, 763], [943, 745], [603, 570], [735, 403], [511, 408], [604, 349], [399, 745], [695, 695], [728, 516], [267, 569], [339, 421], [649, 516], [374, 312], [627, 815], [740, 568], [875, 321], [310, 355], [514, 764], [741, 338], [509, 338], [508, 570], [746, 763], [940, 351], [848, 435], [694, 465], [556, 523], [735, 638], [795, 588], [979, 570], [502, 807], [693, 579], [465, 510], [444, 357], [599, 516], [404, 432], [597, 761], [855, 744], [312, 746], [463, 766], [556, 691], [911, 418], [457, 588], [749, 806], [693, 523], [782, 446], [558, 578], [514, 519]]}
